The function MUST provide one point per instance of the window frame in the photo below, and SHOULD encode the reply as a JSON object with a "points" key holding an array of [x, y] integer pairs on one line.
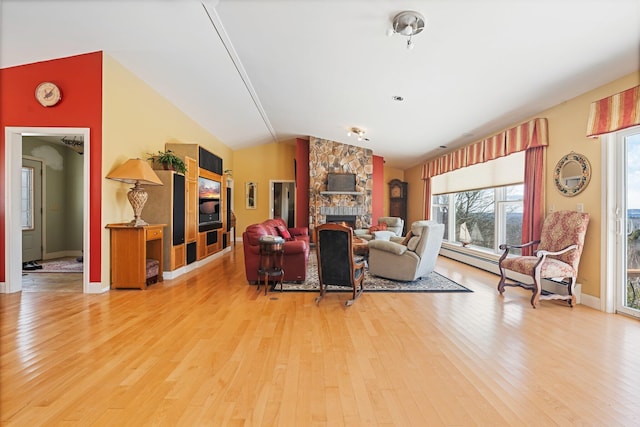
{"points": [[501, 201]]}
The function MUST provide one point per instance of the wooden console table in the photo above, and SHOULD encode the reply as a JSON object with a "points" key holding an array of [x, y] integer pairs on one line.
{"points": [[130, 249]]}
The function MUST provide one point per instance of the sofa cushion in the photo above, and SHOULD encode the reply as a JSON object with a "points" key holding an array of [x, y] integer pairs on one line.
{"points": [[383, 235], [412, 244], [380, 227], [283, 232], [254, 232], [387, 246], [417, 226], [406, 239]]}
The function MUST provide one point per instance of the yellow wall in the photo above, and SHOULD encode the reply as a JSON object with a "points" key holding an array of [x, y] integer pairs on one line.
{"points": [[137, 120], [415, 201], [389, 174], [259, 164], [567, 130]]}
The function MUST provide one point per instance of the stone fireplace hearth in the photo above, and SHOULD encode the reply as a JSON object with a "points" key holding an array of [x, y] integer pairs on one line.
{"points": [[332, 157]]}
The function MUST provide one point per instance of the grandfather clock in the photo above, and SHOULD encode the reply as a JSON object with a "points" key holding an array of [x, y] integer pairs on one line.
{"points": [[398, 200]]}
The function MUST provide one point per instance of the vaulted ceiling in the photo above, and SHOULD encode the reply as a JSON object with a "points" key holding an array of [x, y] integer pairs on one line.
{"points": [[257, 71]]}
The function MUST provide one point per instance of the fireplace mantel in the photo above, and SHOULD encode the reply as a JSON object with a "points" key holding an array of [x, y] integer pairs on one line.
{"points": [[335, 193]]}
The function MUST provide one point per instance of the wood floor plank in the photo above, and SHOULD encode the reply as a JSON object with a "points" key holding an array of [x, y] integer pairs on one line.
{"points": [[207, 349]]}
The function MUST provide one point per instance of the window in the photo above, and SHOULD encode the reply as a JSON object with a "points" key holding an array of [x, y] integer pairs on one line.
{"points": [[26, 206], [491, 216], [440, 211]]}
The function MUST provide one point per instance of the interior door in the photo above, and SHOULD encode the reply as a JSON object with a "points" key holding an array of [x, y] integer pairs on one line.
{"points": [[31, 210]]}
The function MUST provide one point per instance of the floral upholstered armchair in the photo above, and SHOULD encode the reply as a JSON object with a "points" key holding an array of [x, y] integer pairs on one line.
{"points": [[557, 256]]}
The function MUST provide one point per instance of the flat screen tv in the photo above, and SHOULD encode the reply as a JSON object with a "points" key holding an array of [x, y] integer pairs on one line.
{"points": [[209, 202], [341, 182]]}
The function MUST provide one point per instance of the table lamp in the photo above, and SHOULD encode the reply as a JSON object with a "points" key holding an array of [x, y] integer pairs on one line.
{"points": [[136, 172]]}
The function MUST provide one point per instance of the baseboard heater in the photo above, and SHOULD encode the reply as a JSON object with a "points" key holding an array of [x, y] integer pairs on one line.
{"points": [[487, 263]]}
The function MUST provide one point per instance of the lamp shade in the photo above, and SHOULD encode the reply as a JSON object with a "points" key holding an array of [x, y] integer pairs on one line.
{"points": [[135, 170]]}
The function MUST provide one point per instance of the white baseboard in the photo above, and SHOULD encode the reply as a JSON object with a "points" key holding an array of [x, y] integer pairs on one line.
{"points": [[61, 254], [591, 301], [168, 275], [96, 288]]}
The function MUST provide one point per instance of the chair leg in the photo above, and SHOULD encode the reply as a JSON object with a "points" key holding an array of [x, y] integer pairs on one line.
{"points": [[570, 290], [319, 297], [537, 289], [356, 294], [503, 277]]}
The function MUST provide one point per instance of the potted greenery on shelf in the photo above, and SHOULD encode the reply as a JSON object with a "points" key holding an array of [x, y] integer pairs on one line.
{"points": [[169, 161]]}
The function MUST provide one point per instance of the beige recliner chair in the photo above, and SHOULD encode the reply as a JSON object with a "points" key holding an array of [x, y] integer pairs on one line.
{"points": [[407, 262]]}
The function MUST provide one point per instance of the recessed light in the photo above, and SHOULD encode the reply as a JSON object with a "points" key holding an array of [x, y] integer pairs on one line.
{"points": [[398, 98]]}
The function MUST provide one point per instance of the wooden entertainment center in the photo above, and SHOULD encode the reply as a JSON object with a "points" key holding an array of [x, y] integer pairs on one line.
{"points": [[191, 235]]}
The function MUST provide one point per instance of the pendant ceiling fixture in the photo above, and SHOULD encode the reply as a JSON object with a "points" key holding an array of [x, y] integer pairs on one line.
{"points": [[76, 144], [408, 24], [358, 133]]}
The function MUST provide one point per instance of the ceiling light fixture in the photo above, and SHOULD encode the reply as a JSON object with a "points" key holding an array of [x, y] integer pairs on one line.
{"points": [[408, 24], [359, 133]]}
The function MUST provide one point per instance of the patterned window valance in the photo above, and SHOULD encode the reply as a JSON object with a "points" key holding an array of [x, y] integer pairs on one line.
{"points": [[531, 134], [615, 112]]}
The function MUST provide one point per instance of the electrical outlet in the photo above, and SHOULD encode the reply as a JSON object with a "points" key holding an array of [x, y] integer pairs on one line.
{"points": [[580, 207], [552, 208]]}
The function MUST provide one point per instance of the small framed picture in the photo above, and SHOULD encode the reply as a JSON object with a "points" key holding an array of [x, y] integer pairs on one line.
{"points": [[251, 191]]}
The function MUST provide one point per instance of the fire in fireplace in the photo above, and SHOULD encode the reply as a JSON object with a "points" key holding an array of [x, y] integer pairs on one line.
{"points": [[348, 220]]}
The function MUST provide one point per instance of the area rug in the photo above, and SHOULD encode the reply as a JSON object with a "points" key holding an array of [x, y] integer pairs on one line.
{"points": [[434, 282], [58, 265]]}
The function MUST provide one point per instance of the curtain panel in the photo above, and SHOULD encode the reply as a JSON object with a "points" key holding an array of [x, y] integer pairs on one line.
{"points": [[533, 197], [613, 113], [533, 133]]}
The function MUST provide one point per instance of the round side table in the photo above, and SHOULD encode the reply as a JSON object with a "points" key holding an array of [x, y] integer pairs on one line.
{"points": [[271, 261]]}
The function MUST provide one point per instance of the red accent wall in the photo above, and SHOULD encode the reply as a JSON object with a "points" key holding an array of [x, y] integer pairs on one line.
{"points": [[302, 183], [80, 80], [377, 198]]}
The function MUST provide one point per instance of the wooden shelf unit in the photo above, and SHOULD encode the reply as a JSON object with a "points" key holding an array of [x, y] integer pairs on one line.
{"points": [[166, 205], [191, 219], [130, 249]]}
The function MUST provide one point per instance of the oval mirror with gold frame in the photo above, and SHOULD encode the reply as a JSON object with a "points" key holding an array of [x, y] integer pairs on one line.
{"points": [[572, 174]]}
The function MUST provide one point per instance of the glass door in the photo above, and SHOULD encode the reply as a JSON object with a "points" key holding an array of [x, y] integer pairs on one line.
{"points": [[628, 292]]}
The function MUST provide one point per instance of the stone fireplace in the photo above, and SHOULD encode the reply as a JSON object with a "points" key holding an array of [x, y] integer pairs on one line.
{"points": [[353, 207]]}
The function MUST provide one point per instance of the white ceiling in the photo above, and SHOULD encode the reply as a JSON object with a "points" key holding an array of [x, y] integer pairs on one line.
{"points": [[256, 71]]}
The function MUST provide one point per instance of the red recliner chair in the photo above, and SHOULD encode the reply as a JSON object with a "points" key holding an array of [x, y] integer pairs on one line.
{"points": [[296, 249]]}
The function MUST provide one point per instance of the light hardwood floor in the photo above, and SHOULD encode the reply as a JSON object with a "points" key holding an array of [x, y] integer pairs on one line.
{"points": [[51, 282], [206, 349]]}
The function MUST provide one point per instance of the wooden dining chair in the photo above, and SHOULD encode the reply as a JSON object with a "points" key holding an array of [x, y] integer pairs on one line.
{"points": [[336, 264]]}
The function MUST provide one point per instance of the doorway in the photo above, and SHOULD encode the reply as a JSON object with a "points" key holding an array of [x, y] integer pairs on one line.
{"points": [[13, 195], [621, 284], [628, 289], [282, 201]]}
